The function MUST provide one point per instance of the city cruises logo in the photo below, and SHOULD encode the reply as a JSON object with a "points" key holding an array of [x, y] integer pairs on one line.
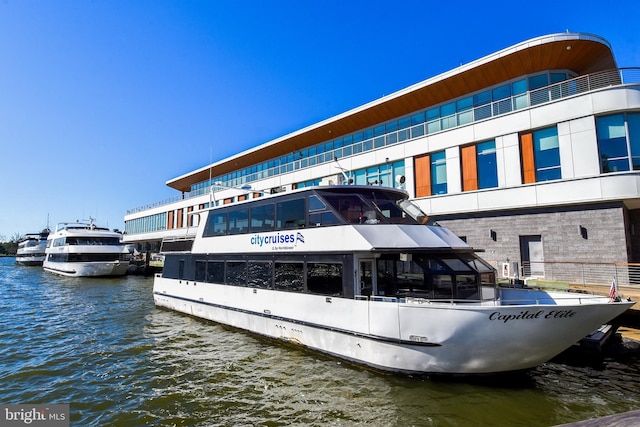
{"points": [[35, 415], [277, 241]]}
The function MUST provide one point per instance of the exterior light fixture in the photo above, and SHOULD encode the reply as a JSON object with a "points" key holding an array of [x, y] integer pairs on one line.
{"points": [[583, 232]]}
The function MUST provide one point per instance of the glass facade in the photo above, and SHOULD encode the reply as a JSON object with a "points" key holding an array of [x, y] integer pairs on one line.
{"points": [[619, 142], [511, 96], [487, 165], [386, 174], [147, 224], [547, 154], [438, 173]]}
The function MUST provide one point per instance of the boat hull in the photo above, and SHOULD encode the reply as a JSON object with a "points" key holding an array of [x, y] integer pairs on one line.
{"points": [[408, 336], [30, 260], [87, 269]]}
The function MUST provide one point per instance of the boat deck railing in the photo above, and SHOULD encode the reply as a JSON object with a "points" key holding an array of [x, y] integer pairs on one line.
{"points": [[587, 275], [570, 299]]}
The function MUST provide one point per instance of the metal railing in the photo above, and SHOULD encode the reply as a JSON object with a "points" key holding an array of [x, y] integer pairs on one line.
{"points": [[580, 273], [530, 99]]}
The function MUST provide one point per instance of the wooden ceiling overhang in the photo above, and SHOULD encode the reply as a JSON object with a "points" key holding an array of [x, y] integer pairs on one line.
{"points": [[578, 52]]}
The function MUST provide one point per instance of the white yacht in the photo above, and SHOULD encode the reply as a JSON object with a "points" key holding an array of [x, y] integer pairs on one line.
{"points": [[31, 248], [360, 273], [82, 249]]}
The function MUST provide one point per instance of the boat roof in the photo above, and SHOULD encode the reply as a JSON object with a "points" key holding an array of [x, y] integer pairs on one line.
{"points": [[80, 226]]}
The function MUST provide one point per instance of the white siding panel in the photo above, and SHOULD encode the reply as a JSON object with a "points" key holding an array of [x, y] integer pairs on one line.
{"points": [[585, 154], [609, 100], [577, 190], [626, 185], [556, 112], [510, 159], [463, 202], [565, 147], [454, 175]]}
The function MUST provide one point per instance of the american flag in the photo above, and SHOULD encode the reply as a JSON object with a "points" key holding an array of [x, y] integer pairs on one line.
{"points": [[613, 292]]}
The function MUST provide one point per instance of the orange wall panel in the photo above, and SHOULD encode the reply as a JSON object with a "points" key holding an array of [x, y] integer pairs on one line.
{"points": [[422, 167], [180, 215], [170, 220], [469, 168], [528, 163]]}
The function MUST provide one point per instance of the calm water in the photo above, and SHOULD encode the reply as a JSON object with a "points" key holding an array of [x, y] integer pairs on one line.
{"points": [[101, 346]]}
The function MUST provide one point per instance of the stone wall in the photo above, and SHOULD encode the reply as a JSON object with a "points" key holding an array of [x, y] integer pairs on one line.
{"points": [[559, 229]]}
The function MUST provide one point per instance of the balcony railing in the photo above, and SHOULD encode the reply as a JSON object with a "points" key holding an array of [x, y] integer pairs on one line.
{"points": [[530, 99], [583, 274]]}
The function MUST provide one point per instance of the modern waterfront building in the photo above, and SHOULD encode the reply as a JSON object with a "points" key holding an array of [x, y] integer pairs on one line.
{"points": [[531, 153]]}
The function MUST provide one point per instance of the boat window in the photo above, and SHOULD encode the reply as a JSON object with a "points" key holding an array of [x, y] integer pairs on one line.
{"points": [[291, 214], [181, 269], [411, 279], [415, 212], [315, 204], [216, 225], [456, 264], [386, 270], [479, 265], [215, 271], [201, 271], [324, 278], [323, 219], [466, 286], [262, 218], [289, 276], [442, 286], [351, 207], [236, 273], [260, 274], [59, 242], [93, 241], [239, 221], [95, 257], [432, 277]]}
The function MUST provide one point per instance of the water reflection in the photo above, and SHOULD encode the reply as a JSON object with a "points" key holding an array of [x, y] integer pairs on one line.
{"points": [[103, 347]]}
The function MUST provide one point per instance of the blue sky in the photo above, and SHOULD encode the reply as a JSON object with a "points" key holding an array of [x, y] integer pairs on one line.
{"points": [[102, 102]]}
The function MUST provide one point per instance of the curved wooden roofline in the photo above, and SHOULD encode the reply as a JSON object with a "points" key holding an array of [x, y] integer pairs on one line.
{"points": [[579, 52]]}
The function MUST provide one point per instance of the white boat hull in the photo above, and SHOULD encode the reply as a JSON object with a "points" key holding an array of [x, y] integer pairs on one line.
{"points": [[87, 269], [30, 260], [409, 336]]}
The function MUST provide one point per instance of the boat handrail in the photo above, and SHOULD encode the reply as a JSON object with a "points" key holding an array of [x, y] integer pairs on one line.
{"points": [[179, 238], [583, 299]]}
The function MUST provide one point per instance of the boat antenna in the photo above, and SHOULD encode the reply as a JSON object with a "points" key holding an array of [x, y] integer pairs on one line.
{"points": [[212, 197], [346, 178]]}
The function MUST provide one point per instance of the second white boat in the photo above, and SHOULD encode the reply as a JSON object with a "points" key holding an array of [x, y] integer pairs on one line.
{"points": [[82, 249]]}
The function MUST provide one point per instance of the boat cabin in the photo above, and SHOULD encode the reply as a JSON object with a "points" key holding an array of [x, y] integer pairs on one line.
{"points": [[343, 241]]}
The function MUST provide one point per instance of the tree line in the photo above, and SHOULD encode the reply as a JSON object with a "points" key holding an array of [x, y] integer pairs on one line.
{"points": [[9, 247]]}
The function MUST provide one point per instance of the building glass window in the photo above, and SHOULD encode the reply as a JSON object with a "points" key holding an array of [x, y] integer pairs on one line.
{"points": [[546, 154], [520, 96], [633, 124], [487, 166], [438, 173], [612, 143], [386, 174], [619, 142]]}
